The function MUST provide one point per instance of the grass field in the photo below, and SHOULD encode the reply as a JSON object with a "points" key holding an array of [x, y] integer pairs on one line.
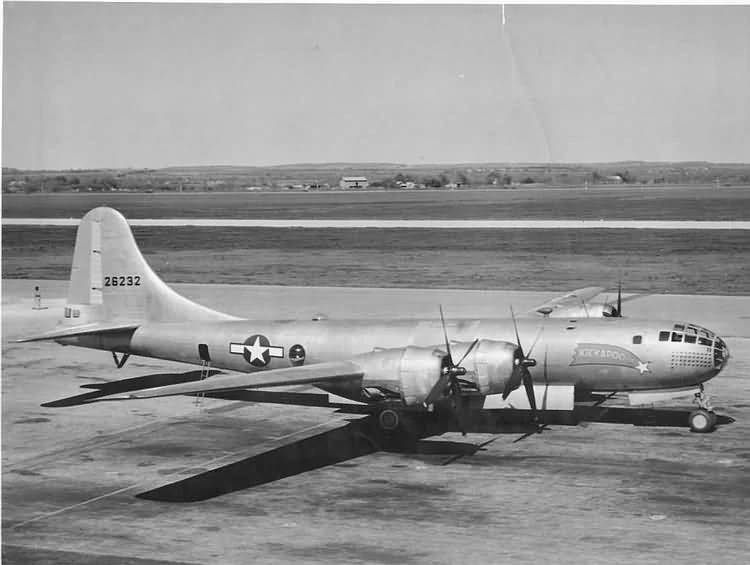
{"points": [[646, 203], [707, 262]]}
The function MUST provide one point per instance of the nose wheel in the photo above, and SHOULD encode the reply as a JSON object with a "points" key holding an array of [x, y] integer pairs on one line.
{"points": [[702, 421]]}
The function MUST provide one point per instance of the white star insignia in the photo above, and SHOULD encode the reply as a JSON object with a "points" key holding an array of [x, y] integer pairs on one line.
{"points": [[256, 350], [643, 367]]}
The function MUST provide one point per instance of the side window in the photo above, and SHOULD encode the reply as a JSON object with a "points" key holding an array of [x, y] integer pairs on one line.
{"points": [[637, 339], [663, 336], [690, 338], [676, 336], [704, 341]]}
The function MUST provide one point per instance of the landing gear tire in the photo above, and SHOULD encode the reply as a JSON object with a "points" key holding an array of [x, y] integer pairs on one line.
{"points": [[388, 420], [702, 421]]}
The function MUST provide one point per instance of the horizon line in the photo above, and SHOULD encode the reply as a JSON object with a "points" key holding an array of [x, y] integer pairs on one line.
{"points": [[340, 164]]}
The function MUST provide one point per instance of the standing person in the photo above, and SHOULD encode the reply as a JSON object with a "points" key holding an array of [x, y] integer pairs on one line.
{"points": [[37, 298]]}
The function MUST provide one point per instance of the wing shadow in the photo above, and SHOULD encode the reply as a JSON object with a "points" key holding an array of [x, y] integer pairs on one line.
{"points": [[343, 443]]}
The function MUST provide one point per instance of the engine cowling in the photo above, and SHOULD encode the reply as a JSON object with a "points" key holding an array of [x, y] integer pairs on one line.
{"points": [[410, 371], [489, 365]]}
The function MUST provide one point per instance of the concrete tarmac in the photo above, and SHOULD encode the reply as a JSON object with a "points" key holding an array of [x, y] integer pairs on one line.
{"points": [[599, 493]]}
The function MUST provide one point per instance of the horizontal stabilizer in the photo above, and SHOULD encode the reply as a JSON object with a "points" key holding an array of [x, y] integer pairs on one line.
{"points": [[307, 374], [85, 329]]}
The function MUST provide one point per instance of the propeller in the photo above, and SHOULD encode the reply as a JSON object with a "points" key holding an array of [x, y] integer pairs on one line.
{"points": [[615, 311], [521, 373], [452, 371], [540, 427]]}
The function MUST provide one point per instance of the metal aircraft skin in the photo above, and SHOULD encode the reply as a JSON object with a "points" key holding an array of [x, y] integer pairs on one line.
{"points": [[117, 303]]}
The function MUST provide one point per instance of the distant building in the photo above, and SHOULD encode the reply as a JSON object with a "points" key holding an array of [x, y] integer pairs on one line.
{"points": [[613, 179], [353, 182]]}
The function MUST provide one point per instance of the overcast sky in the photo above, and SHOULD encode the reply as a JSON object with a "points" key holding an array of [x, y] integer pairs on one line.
{"points": [[152, 85]]}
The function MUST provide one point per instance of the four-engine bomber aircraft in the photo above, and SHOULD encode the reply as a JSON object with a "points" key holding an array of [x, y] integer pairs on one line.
{"points": [[406, 379]]}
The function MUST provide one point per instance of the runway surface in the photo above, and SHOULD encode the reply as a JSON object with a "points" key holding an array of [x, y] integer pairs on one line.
{"points": [[406, 224], [600, 493]]}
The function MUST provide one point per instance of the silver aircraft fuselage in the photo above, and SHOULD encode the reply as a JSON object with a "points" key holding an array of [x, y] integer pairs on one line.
{"points": [[610, 354]]}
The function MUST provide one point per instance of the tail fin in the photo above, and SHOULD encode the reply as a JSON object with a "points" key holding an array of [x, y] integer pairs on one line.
{"points": [[111, 283]]}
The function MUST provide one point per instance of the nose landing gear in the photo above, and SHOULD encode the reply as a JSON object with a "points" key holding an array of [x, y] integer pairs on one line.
{"points": [[702, 420]]}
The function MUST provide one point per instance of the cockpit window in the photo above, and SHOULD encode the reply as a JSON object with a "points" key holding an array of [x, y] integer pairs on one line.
{"points": [[663, 336], [679, 327], [676, 336], [637, 339], [704, 341], [689, 338], [691, 329]]}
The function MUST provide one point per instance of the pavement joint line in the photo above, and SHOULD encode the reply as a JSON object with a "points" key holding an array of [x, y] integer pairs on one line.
{"points": [[112, 493], [72, 506], [307, 429], [89, 553], [108, 439]]}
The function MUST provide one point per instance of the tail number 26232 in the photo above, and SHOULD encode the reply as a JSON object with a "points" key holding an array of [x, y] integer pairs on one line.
{"points": [[122, 280]]}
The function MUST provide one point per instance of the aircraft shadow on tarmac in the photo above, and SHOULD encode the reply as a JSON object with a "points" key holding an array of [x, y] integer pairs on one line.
{"points": [[127, 385], [345, 440]]}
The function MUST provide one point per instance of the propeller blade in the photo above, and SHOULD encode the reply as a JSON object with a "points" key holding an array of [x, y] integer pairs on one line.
{"points": [[515, 327], [528, 384], [536, 339], [513, 382], [474, 343], [445, 335], [585, 308], [619, 299]]}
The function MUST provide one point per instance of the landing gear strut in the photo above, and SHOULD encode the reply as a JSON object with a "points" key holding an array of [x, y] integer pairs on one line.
{"points": [[702, 420]]}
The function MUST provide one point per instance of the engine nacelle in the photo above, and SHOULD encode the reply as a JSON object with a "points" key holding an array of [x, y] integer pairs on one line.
{"points": [[410, 371], [413, 372], [489, 365]]}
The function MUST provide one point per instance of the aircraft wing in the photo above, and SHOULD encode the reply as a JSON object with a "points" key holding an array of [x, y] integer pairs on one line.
{"points": [[306, 374], [574, 298]]}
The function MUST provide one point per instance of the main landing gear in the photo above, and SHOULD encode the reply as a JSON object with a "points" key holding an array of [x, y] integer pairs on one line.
{"points": [[702, 420], [388, 420]]}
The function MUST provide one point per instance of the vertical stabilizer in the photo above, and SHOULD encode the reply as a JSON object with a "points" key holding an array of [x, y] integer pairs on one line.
{"points": [[110, 281]]}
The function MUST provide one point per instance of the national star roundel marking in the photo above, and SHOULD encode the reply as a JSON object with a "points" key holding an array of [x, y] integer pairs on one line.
{"points": [[257, 350]]}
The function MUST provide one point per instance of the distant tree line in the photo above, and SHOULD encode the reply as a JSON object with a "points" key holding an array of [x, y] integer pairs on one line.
{"points": [[322, 178]]}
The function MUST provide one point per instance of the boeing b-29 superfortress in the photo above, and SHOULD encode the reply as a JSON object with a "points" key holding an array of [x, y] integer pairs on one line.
{"points": [[405, 379]]}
